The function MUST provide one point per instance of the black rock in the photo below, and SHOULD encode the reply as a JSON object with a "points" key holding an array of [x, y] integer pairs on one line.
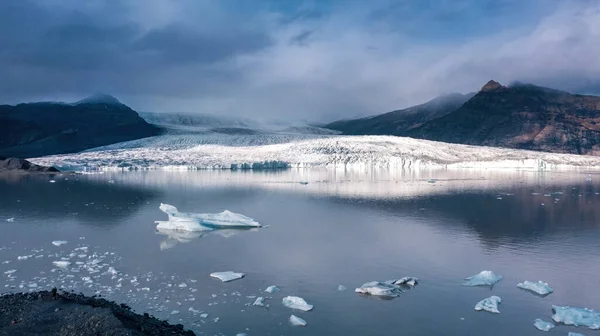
{"points": [[22, 165]]}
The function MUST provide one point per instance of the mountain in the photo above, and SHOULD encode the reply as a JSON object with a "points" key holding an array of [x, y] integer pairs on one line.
{"points": [[400, 122], [521, 116], [38, 129], [23, 166]]}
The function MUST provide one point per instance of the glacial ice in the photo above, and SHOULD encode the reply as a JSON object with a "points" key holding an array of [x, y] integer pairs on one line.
{"points": [[10, 220], [61, 263], [385, 289], [296, 321], [260, 301], [227, 276], [575, 334], [296, 302], [180, 221], [543, 325], [483, 278], [576, 316], [409, 281], [341, 288], [9, 272], [272, 289], [489, 304], [539, 287], [59, 242]]}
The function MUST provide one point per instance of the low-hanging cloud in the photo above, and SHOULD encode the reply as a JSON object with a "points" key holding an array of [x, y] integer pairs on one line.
{"points": [[308, 62]]}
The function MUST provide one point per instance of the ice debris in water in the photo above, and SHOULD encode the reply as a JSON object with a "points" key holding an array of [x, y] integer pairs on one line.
{"points": [[61, 263], [10, 220], [576, 316], [409, 281], [484, 278], [9, 272], [341, 288], [489, 304], [539, 287], [296, 321], [575, 334], [543, 325], [52, 181], [260, 301], [390, 288], [296, 302], [59, 242], [202, 222], [227, 276], [272, 289]]}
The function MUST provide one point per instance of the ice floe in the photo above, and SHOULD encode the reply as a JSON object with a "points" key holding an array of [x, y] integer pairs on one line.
{"points": [[10, 220], [296, 302], [575, 334], [227, 276], [543, 325], [539, 287], [576, 316], [59, 242], [61, 263], [483, 278], [409, 281], [385, 289], [297, 321], [341, 288], [260, 301], [181, 221], [272, 289], [10, 271], [489, 304]]}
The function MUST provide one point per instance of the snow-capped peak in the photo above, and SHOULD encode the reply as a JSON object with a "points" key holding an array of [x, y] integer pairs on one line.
{"points": [[100, 99]]}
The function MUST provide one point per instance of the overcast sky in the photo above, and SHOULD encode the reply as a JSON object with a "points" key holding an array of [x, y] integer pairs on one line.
{"points": [[312, 60]]}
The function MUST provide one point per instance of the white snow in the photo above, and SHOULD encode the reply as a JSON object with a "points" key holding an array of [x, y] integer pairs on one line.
{"points": [[483, 278], [296, 321], [576, 316], [296, 302], [227, 276], [386, 288], [59, 242], [543, 325], [338, 151], [489, 304], [180, 221], [272, 289], [61, 263], [539, 287]]}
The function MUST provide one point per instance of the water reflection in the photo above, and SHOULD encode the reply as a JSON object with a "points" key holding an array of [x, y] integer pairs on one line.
{"points": [[175, 236]]}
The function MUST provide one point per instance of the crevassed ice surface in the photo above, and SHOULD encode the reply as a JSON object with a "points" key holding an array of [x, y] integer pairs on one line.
{"points": [[576, 316], [542, 325], [539, 287], [346, 151], [489, 304], [483, 278], [199, 222]]}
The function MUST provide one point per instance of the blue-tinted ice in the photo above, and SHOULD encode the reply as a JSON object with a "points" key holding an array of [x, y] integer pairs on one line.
{"points": [[484, 278], [539, 287], [202, 222], [543, 325], [576, 316], [489, 304]]}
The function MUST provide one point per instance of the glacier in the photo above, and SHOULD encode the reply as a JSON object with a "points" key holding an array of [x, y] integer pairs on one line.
{"points": [[489, 304], [296, 302], [543, 325], [576, 316], [180, 221], [540, 288], [227, 276], [483, 278], [330, 151]]}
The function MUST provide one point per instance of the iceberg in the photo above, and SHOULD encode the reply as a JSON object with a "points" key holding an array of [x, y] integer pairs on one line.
{"points": [[484, 278], [227, 276], [296, 302], [181, 221], [576, 316], [61, 263], [376, 288], [59, 242], [10, 220], [489, 304], [409, 281], [272, 289], [260, 301], [296, 321], [539, 287], [543, 325]]}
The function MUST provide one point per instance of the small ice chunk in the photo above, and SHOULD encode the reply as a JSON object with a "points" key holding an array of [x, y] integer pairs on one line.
{"points": [[576, 316], [23, 257], [386, 289], [260, 301], [296, 302], [112, 270], [575, 334], [341, 288], [296, 321], [10, 271], [543, 325], [32, 285], [182, 285], [272, 289], [484, 278], [227, 276], [409, 281], [59, 242], [10, 220], [201, 222], [61, 263], [52, 181], [539, 287], [489, 304], [241, 334], [204, 315], [175, 312]]}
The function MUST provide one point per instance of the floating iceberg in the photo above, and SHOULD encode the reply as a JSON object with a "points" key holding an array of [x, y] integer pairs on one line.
{"points": [[59, 242], [296, 321], [260, 301], [272, 289], [409, 281], [386, 289], [341, 288], [181, 221], [61, 263], [539, 287], [227, 276], [543, 325], [489, 304], [10, 220], [576, 316], [296, 302], [484, 278]]}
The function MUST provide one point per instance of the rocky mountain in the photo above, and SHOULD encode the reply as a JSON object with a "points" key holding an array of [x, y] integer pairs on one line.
{"points": [[401, 122], [521, 116], [38, 129], [24, 166]]}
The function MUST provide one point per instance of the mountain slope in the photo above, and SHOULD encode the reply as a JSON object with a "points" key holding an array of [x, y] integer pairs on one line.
{"points": [[522, 116], [37, 129], [400, 122]]}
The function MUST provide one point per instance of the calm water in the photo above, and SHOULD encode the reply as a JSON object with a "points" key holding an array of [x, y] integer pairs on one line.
{"points": [[342, 228]]}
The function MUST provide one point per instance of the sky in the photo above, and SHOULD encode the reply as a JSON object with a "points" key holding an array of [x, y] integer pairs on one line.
{"points": [[316, 60]]}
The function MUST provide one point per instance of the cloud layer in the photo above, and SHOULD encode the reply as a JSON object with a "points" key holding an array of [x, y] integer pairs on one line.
{"points": [[307, 61]]}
